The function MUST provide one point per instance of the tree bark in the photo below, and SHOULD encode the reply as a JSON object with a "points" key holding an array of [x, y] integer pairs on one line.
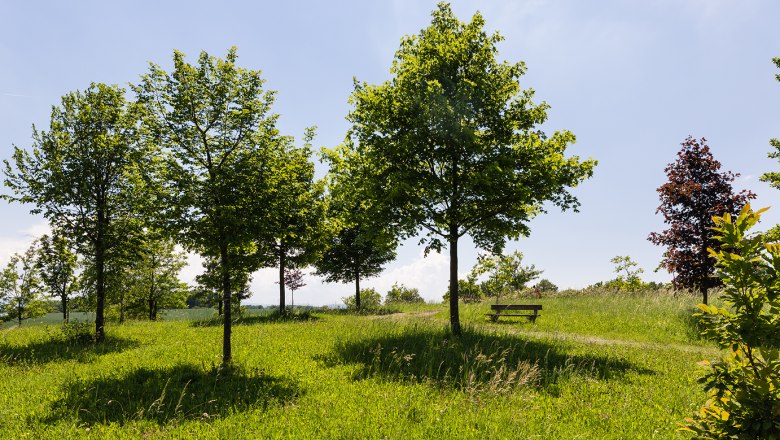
{"points": [[357, 289], [454, 314], [100, 280], [64, 308], [227, 355], [703, 290], [281, 279], [151, 309]]}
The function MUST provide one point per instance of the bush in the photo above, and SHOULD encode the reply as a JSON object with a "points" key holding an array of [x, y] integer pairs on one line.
{"points": [[370, 299], [546, 286], [743, 385], [77, 332], [468, 291], [403, 295]]}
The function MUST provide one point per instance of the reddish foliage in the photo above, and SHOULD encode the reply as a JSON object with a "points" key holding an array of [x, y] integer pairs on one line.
{"points": [[696, 191]]}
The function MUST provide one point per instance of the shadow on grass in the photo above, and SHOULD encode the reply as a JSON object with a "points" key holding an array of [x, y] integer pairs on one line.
{"points": [[258, 319], [474, 361], [57, 348], [164, 395]]}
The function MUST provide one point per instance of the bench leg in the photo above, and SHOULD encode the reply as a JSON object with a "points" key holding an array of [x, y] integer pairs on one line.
{"points": [[494, 318]]}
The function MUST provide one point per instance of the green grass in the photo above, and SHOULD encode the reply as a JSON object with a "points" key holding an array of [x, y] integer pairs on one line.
{"points": [[592, 367]]}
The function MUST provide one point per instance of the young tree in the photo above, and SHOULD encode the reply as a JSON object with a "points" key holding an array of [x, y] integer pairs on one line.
{"points": [[457, 145], [505, 273], [57, 265], [295, 234], [628, 276], [400, 294], [293, 279], [153, 278], [80, 175], [364, 241], [695, 193], [744, 396], [215, 124], [20, 288]]}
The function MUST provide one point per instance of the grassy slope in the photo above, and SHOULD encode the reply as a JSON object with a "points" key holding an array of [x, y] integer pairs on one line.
{"points": [[592, 367]]}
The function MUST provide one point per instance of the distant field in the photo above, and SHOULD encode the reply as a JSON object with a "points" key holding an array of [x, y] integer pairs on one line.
{"points": [[607, 366]]}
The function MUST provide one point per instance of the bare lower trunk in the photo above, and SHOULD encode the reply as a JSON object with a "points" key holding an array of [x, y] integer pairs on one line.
{"points": [[454, 314], [357, 290], [100, 290], [64, 309], [703, 291], [281, 281], [219, 308], [227, 355]]}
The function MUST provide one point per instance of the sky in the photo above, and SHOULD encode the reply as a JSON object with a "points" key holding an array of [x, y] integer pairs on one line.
{"points": [[630, 79]]}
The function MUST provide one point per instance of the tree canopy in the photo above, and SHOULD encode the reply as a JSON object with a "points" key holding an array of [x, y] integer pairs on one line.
{"points": [[695, 193], [214, 125], [81, 175], [456, 142]]}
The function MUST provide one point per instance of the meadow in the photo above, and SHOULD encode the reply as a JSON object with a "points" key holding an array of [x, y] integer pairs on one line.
{"points": [[606, 366]]}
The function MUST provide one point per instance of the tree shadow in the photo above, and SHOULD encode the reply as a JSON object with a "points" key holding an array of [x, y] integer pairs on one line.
{"points": [[474, 361], [164, 395], [57, 348], [274, 317]]}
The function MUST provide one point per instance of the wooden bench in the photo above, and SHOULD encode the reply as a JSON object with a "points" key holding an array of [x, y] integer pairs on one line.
{"points": [[501, 309]]}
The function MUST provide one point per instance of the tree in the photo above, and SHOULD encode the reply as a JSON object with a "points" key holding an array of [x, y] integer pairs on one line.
{"points": [[773, 177], [744, 396], [81, 175], [505, 273], [456, 142], [214, 122], [364, 241], [293, 279], [628, 277], [57, 265], [209, 288], [695, 193], [153, 278], [21, 289], [294, 235]]}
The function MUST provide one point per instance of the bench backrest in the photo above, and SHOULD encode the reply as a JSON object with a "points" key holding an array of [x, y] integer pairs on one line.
{"points": [[516, 306]]}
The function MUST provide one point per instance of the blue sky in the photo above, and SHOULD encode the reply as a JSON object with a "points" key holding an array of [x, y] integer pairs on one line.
{"points": [[631, 79]]}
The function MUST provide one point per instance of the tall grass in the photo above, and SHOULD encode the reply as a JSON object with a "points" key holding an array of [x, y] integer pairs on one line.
{"points": [[337, 375]]}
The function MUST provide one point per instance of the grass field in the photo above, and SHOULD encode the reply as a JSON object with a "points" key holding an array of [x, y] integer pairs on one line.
{"points": [[603, 366]]}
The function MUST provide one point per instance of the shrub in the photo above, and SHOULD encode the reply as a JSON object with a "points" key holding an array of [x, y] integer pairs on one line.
{"points": [[743, 385], [77, 332], [370, 299], [546, 285], [468, 291], [399, 294]]}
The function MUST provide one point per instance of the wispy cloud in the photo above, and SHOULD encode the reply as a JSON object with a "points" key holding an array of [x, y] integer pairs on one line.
{"points": [[16, 95]]}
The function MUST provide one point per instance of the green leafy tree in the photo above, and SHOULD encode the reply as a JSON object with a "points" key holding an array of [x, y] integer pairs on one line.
{"points": [[457, 145], [364, 241], [295, 234], [400, 294], [214, 122], [82, 176], [153, 278], [57, 265], [506, 273], [209, 285], [744, 384], [21, 291], [546, 285], [628, 273]]}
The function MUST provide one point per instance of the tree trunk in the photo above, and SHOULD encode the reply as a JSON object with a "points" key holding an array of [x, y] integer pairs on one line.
{"points": [[100, 283], [703, 291], [454, 315], [122, 310], [281, 279], [219, 306], [19, 313], [64, 308], [227, 355], [357, 289], [151, 309]]}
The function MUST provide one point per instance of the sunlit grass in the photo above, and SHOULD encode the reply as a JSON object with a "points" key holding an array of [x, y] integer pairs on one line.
{"points": [[591, 367]]}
